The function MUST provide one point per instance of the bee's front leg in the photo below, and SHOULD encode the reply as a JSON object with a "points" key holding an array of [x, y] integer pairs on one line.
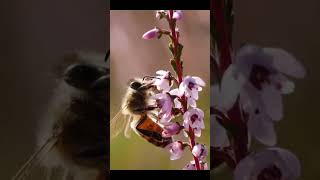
{"points": [[148, 108]]}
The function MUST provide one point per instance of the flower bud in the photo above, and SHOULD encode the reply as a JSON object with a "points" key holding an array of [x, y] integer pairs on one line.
{"points": [[200, 151], [150, 34], [177, 15]]}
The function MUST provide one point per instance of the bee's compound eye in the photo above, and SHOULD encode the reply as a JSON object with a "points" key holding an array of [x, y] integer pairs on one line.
{"points": [[135, 85], [82, 75]]}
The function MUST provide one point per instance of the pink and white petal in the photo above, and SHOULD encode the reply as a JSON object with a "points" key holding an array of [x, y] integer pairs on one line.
{"points": [[262, 128], [182, 90], [272, 99], [290, 163], [190, 166], [204, 166], [174, 92], [283, 83], [199, 81], [197, 132], [200, 112], [192, 102], [177, 104], [287, 87], [245, 57], [195, 94], [285, 62], [244, 169], [230, 89]]}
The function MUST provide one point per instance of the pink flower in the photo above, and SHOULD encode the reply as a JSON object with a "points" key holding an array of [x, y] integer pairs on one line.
{"points": [[150, 34], [190, 87], [192, 166], [258, 78], [171, 129], [262, 71], [200, 151], [194, 118], [177, 15], [177, 103], [176, 150], [272, 163], [165, 103], [163, 80]]}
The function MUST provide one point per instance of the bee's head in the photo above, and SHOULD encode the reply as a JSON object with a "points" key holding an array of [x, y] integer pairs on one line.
{"points": [[86, 76], [134, 84]]}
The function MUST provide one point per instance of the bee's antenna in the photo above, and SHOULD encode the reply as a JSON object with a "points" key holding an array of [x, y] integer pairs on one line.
{"points": [[151, 77], [107, 56]]}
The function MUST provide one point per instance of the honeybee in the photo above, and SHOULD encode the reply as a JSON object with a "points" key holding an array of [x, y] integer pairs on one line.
{"points": [[139, 107], [73, 139]]}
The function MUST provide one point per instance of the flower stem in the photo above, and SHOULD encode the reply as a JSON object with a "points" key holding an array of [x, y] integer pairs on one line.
{"points": [[193, 143], [175, 41], [223, 39], [239, 138]]}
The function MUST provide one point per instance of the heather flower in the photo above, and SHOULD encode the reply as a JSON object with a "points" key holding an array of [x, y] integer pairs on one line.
{"points": [[260, 124], [192, 166], [176, 150], [177, 103], [200, 151], [272, 163], [193, 118], [190, 87], [165, 103], [163, 80], [151, 34], [263, 70], [171, 129], [177, 15]]}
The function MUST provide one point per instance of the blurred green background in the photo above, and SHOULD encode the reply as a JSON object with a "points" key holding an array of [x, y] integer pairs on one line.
{"points": [[131, 56], [294, 26]]}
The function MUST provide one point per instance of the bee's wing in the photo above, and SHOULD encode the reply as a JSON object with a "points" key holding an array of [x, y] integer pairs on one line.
{"points": [[119, 123], [128, 130], [35, 159]]}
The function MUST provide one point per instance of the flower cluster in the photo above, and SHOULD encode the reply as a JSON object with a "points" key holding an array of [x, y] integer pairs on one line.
{"points": [[254, 83], [179, 101], [246, 103]]}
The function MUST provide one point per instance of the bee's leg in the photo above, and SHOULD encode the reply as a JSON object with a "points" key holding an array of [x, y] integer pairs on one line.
{"points": [[148, 108], [149, 77]]}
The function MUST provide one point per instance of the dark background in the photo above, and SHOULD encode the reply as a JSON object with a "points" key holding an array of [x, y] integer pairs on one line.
{"points": [[294, 26], [34, 36]]}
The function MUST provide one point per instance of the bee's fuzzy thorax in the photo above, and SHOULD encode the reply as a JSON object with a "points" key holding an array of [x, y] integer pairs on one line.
{"points": [[60, 102]]}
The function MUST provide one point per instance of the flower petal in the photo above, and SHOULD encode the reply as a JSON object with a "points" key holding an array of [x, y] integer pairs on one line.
{"points": [[230, 89], [261, 127], [272, 100], [285, 62], [199, 81], [290, 164]]}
